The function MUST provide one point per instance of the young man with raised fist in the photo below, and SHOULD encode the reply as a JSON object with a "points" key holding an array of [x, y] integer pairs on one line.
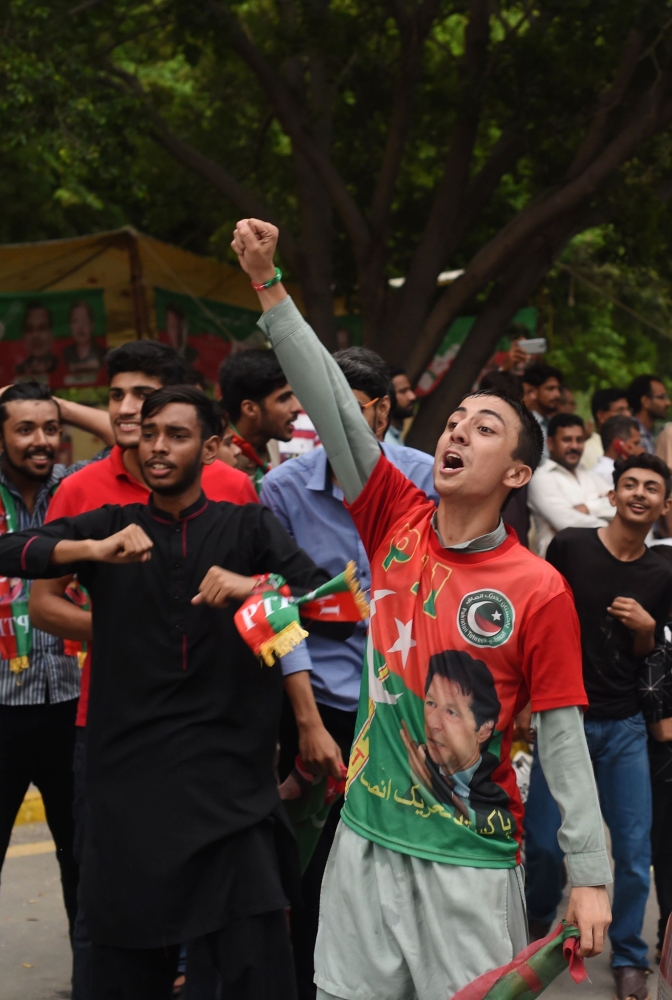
{"points": [[423, 889]]}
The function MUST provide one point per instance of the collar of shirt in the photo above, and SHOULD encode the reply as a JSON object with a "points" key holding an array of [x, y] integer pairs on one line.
{"points": [[196, 508], [120, 470], [42, 496], [484, 543]]}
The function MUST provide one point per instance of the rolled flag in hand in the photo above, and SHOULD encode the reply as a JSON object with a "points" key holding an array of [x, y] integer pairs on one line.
{"points": [[532, 969], [270, 619]]}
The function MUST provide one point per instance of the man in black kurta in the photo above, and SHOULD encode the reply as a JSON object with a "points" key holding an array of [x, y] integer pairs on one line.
{"points": [[186, 827]]}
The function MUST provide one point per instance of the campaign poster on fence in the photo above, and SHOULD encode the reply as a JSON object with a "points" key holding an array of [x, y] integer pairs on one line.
{"points": [[204, 331], [54, 337]]}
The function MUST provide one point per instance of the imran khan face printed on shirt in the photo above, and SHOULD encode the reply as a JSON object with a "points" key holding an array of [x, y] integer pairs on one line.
{"points": [[172, 450], [31, 435], [459, 719], [473, 458]]}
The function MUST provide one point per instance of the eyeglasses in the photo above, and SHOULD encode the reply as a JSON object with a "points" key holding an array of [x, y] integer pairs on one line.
{"points": [[365, 406]]}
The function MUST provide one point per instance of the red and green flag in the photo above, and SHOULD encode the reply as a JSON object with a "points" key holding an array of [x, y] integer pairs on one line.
{"points": [[532, 969], [270, 619]]}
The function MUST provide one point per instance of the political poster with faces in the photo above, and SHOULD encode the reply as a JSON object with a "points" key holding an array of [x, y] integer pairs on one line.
{"points": [[54, 337], [204, 331]]}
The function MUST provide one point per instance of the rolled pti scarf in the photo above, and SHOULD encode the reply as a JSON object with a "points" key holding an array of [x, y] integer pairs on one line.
{"points": [[269, 621], [532, 969]]}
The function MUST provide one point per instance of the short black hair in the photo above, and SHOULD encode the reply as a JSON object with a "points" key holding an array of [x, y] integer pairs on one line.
{"points": [[619, 426], [396, 370], [208, 416], [644, 461], [530, 445], [472, 677], [507, 383], [149, 357], [640, 386], [253, 374], [564, 420], [37, 391], [602, 399], [365, 371], [536, 375]]}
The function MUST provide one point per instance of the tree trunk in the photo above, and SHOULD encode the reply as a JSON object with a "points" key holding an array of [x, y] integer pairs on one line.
{"points": [[518, 282], [317, 240]]}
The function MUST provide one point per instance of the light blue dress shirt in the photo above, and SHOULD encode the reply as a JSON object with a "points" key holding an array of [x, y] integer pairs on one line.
{"points": [[303, 497]]}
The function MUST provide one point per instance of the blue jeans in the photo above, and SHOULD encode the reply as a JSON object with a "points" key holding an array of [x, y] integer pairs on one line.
{"points": [[618, 750]]}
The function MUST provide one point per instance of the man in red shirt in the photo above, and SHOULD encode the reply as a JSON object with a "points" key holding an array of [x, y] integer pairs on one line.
{"points": [[423, 889], [135, 370]]}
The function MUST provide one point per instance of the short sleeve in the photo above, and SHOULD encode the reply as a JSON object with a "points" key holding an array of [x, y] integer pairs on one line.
{"points": [[552, 660], [387, 497]]}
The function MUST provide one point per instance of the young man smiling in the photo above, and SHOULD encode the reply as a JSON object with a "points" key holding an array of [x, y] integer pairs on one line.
{"points": [[417, 899], [623, 595], [39, 684], [185, 831]]}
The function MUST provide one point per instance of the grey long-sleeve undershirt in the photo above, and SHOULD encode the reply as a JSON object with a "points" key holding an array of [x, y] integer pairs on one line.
{"points": [[353, 454]]}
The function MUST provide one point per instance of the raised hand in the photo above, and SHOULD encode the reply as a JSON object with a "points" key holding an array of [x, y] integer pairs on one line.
{"points": [[219, 586], [255, 241], [130, 545]]}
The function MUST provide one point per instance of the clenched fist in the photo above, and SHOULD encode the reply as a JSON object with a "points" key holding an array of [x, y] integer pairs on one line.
{"points": [[255, 241]]}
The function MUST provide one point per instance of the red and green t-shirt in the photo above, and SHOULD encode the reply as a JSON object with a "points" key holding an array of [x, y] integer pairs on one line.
{"points": [[459, 642]]}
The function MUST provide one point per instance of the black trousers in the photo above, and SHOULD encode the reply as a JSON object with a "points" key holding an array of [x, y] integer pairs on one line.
{"points": [[252, 955], [661, 849], [37, 744], [304, 919]]}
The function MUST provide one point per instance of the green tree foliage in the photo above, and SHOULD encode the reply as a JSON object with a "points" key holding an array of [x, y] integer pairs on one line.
{"points": [[400, 137]]}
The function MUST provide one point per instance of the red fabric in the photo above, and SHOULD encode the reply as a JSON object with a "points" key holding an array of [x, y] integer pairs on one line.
{"points": [[413, 578], [480, 987], [108, 481]]}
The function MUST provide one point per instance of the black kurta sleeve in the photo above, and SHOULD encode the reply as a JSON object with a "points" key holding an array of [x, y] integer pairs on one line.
{"points": [[27, 553]]}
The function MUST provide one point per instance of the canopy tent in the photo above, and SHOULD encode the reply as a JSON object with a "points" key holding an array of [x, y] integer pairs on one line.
{"points": [[62, 302]]}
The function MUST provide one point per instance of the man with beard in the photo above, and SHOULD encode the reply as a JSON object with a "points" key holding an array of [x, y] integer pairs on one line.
{"points": [[135, 370], [403, 405], [261, 407], [561, 494], [185, 836], [39, 684]]}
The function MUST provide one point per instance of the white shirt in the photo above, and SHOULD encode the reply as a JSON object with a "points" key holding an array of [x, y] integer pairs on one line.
{"points": [[604, 468], [592, 451], [553, 494]]}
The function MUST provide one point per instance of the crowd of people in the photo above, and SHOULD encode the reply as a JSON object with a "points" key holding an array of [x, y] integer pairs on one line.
{"points": [[519, 582]]}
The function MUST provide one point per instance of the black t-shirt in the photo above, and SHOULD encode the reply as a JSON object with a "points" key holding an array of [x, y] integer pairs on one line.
{"points": [[596, 577]]}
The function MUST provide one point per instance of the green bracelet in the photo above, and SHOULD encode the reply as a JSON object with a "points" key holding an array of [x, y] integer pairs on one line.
{"points": [[268, 284]]}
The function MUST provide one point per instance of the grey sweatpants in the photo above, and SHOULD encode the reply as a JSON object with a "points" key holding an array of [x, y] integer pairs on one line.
{"points": [[395, 927]]}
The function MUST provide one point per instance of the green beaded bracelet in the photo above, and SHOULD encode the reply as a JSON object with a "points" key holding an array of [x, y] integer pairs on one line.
{"points": [[268, 284]]}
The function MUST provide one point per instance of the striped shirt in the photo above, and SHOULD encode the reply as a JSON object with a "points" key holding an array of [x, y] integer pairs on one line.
{"points": [[50, 670]]}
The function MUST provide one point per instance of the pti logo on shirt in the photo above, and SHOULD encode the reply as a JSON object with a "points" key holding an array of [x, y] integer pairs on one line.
{"points": [[485, 618]]}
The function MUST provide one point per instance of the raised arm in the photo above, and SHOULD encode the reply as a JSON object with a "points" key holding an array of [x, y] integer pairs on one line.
{"points": [[313, 374], [87, 418]]}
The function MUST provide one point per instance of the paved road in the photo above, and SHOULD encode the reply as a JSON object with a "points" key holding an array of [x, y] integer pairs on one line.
{"points": [[35, 952]]}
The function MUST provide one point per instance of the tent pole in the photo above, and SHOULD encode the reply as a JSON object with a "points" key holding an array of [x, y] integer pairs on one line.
{"points": [[138, 290]]}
